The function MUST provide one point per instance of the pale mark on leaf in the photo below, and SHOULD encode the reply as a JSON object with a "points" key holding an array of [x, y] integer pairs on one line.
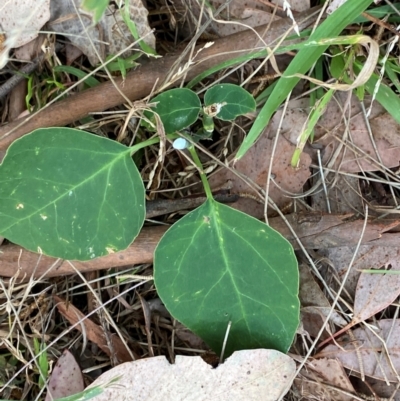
{"points": [[110, 250], [206, 219]]}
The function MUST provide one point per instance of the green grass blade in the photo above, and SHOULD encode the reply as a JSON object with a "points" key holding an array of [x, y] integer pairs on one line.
{"points": [[132, 28], [393, 74], [385, 95], [315, 115], [97, 7], [90, 81], [303, 61]]}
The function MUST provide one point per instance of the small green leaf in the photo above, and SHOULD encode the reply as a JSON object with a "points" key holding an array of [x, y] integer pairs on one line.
{"points": [[97, 7], [70, 194], [233, 99], [217, 265], [177, 108]]}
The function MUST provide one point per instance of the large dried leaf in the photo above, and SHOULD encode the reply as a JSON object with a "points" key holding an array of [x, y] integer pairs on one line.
{"points": [[247, 375], [255, 166], [109, 36], [240, 15], [359, 153], [20, 21], [252, 13], [375, 292], [368, 256], [370, 350]]}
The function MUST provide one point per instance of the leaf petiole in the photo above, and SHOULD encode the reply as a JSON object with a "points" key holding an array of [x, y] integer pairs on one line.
{"points": [[152, 141], [203, 176]]}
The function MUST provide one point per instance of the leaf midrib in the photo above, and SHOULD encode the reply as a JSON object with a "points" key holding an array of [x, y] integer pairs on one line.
{"points": [[239, 293]]}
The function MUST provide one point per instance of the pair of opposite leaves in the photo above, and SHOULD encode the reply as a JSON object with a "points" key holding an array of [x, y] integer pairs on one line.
{"points": [[74, 195]]}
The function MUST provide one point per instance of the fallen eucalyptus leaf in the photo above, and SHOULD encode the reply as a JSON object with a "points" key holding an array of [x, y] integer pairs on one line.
{"points": [[249, 375]]}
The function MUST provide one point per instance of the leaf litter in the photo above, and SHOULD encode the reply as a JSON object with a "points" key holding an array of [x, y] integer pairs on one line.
{"points": [[369, 293], [372, 350]]}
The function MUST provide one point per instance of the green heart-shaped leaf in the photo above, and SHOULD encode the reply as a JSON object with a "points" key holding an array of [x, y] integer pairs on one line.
{"points": [[217, 265], [235, 101], [70, 194], [177, 108]]}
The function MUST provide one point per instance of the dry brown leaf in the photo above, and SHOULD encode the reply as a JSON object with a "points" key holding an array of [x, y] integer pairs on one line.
{"points": [[310, 293], [343, 193], [315, 306], [380, 387], [71, 53], [252, 13], [20, 21], [313, 381], [255, 166], [243, 17], [295, 5], [30, 50], [191, 339], [368, 256], [109, 37], [375, 292], [249, 375], [66, 378], [93, 331], [375, 362], [358, 154], [236, 7], [359, 150]]}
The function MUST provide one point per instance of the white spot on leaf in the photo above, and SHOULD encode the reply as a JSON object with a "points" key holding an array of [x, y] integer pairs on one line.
{"points": [[20, 206], [110, 250]]}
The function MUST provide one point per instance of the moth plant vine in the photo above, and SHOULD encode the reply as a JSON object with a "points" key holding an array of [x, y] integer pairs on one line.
{"points": [[70, 194]]}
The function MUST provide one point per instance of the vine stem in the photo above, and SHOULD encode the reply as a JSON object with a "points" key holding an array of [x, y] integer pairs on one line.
{"points": [[133, 149], [203, 177]]}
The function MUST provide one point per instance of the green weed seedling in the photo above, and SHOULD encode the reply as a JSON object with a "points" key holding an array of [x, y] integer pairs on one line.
{"points": [[43, 363], [73, 195]]}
